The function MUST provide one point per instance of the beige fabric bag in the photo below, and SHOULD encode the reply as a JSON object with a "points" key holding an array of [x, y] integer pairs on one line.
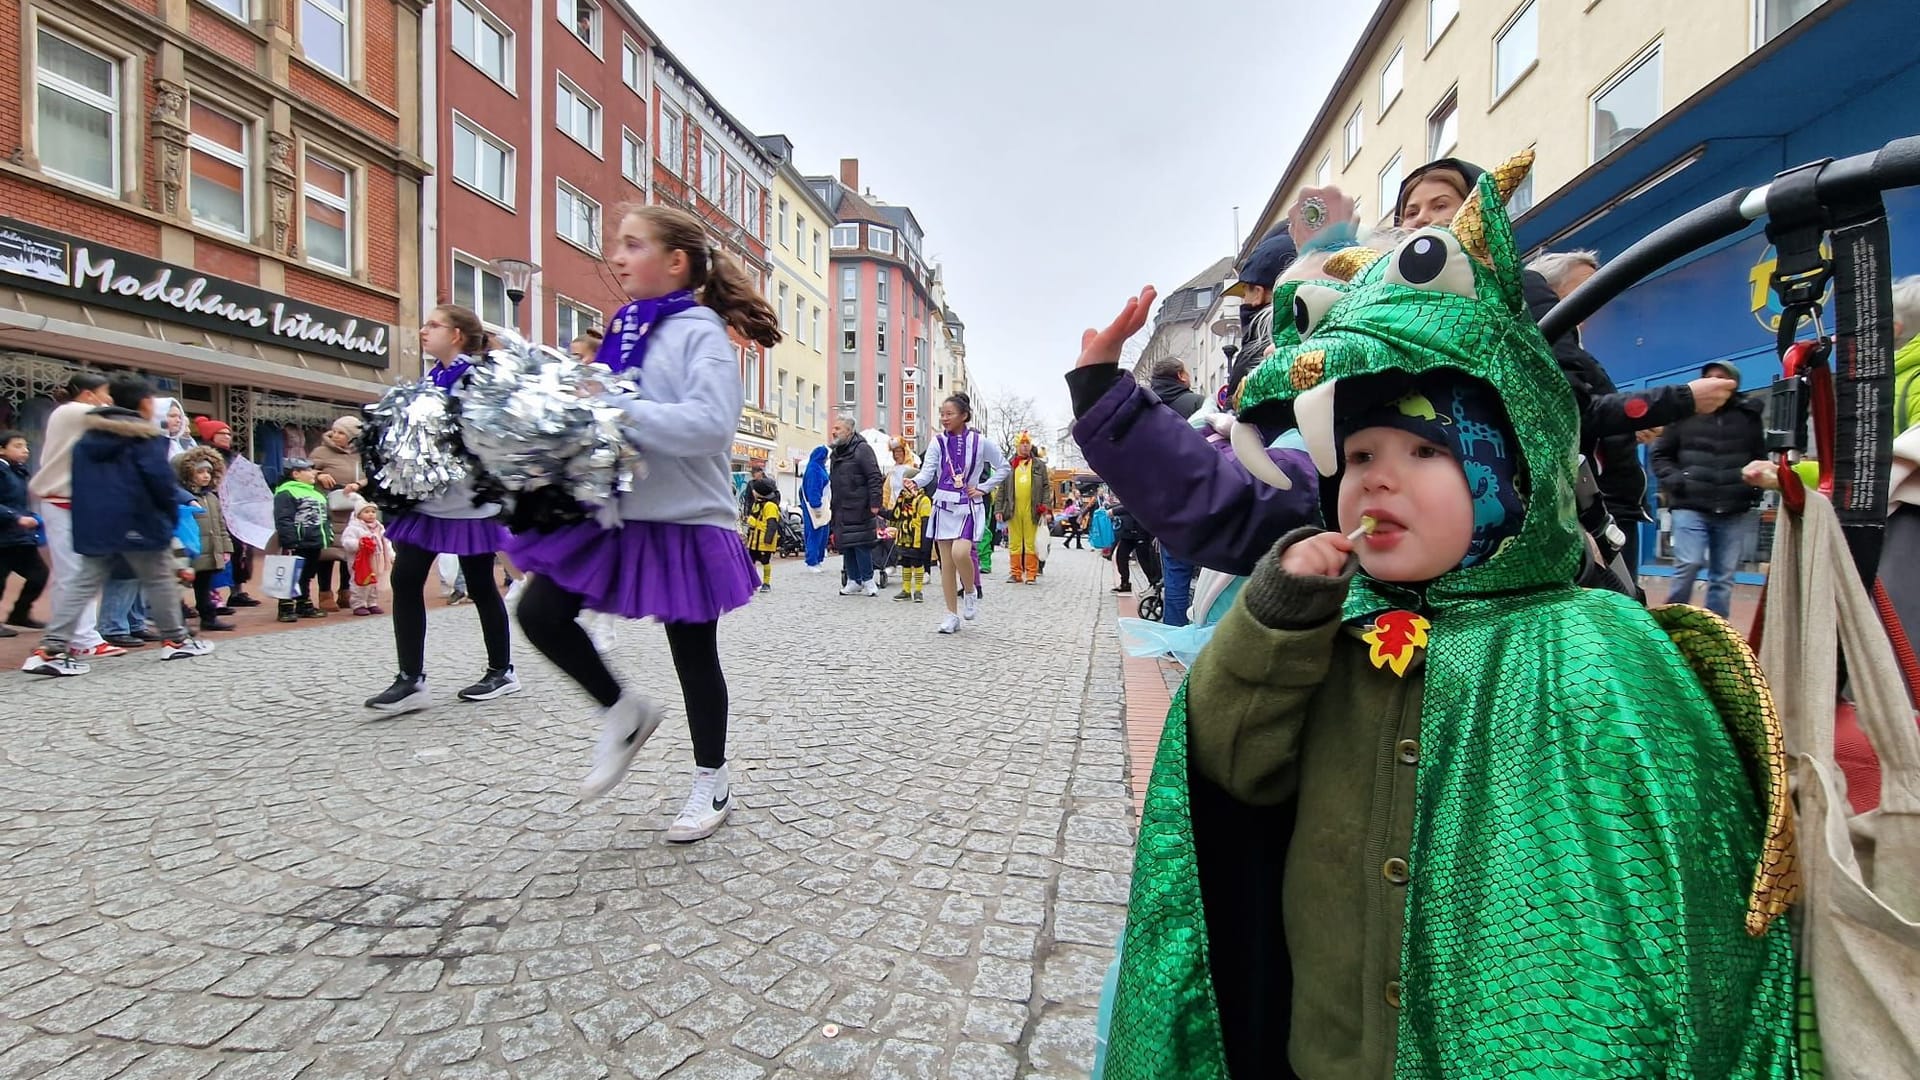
{"points": [[1859, 914]]}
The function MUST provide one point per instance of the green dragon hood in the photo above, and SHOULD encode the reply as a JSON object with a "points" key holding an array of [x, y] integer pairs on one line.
{"points": [[1445, 298]]}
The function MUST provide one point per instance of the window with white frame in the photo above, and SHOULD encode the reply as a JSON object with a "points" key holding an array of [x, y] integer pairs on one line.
{"points": [[781, 308], [880, 389], [1350, 136], [478, 288], [800, 319], [800, 236], [577, 114], [483, 40], [849, 387], [880, 331], [236, 8], [849, 282], [1440, 15], [1521, 200], [575, 217], [77, 112], [325, 38], [482, 161], [1777, 16], [582, 18], [1443, 127], [327, 228], [750, 196], [1323, 175], [816, 252], [849, 338], [818, 409], [219, 176], [1390, 185], [633, 157], [730, 190], [756, 386], [1627, 104], [671, 126], [572, 320], [880, 240], [633, 67], [780, 220], [780, 395], [846, 236], [880, 286], [1517, 49], [1393, 79], [710, 172], [818, 341]]}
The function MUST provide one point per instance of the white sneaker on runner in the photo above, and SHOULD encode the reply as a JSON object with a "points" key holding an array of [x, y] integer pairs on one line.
{"points": [[187, 646], [624, 729], [707, 806], [851, 588], [969, 607], [950, 624]]}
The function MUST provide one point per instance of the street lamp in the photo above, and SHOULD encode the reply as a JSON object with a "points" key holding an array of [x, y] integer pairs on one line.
{"points": [[518, 274]]}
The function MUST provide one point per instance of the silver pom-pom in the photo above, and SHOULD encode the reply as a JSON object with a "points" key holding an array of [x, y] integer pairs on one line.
{"points": [[537, 418], [417, 442]]}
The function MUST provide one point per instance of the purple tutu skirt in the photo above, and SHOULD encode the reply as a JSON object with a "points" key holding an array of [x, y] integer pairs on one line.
{"points": [[644, 569], [449, 536]]}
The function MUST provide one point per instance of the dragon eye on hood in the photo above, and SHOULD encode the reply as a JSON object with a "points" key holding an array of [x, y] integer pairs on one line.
{"points": [[1433, 260], [1310, 304]]}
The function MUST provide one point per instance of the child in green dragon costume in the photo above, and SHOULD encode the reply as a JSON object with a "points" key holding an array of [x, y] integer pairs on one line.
{"points": [[1424, 808]]}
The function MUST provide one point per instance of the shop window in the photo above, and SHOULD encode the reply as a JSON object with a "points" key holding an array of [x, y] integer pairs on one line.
{"points": [[328, 224], [325, 35], [219, 173], [77, 112]]}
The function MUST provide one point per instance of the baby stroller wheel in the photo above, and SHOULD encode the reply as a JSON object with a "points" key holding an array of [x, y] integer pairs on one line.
{"points": [[880, 577], [1151, 608]]}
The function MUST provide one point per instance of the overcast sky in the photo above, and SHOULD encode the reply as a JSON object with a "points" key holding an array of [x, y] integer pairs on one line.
{"points": [[1059, 154]]}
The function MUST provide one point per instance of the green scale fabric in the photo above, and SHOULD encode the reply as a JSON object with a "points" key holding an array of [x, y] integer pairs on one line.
{"points": [[1586, 831]]}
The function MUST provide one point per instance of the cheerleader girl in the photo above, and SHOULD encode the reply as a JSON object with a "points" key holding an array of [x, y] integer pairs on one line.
{"points": [[448, 524], [676, 555], [961, 468]]}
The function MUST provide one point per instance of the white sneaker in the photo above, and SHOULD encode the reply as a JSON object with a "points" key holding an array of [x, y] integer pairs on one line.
{"points": [[624, 729], [187, 646], [851, 588], [873, 588], [969, 607], [706, 807], [950, 624], [816, 569], [599, 627], [56, 662]]}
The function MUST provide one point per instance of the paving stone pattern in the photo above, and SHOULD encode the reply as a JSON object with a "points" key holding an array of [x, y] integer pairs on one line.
{"points": [[224, 867]]}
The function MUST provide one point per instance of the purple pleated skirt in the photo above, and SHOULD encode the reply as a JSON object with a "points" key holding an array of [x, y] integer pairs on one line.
{"points": [[644, 569], [449, 536]]}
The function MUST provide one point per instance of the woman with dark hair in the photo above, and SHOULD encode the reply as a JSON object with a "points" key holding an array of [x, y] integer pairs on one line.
{"points": [[449, 523], [960, 469]]}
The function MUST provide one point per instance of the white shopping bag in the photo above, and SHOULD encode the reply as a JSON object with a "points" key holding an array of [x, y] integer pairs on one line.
{"points": [[280, 576]]}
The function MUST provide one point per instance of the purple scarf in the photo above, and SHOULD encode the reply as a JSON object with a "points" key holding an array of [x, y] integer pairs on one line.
{"points": [[625, 345], [444, 375]]}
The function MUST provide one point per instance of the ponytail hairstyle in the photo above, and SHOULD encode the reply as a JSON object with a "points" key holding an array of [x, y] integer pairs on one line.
{"points": [[715, 278], [473, 335], [962, 402]]}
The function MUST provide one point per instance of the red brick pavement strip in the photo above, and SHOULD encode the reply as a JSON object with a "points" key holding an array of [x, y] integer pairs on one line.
{"points": [[1150, 683]]}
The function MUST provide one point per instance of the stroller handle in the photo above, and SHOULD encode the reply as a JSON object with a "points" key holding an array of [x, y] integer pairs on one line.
{"points": [[1895, 165]]}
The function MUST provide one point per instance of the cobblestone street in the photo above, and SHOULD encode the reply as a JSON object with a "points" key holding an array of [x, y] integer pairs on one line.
{"points": [[227, 867]]}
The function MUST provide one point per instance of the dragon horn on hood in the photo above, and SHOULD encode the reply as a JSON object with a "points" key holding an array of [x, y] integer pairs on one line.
{"points": [[1468, 226]]}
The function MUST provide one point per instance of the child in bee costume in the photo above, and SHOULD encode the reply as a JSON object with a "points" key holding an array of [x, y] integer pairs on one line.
{"points": [[913, 543], [763, 532]]}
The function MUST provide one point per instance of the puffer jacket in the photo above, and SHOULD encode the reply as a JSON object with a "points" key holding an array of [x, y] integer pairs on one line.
{"points": [[125, 497], [856, 494], [215, 542], [1698, 459]]}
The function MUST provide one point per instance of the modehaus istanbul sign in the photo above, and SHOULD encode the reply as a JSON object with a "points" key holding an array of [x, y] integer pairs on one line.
{"points": [[92, 273]]}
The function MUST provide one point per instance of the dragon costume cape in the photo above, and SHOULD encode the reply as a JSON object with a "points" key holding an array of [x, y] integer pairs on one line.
{"points": [[1601, 842]]}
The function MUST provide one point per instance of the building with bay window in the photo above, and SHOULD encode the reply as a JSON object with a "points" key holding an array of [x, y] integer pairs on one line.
{"points": [[207, 193]]}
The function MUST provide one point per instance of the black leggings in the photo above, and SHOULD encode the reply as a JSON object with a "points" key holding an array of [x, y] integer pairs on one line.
{"points": [[411, 565], [549, 615]]}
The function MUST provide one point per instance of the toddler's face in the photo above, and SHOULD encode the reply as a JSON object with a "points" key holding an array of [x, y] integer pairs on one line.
{"points": [[1417, 493], [370, 515]]}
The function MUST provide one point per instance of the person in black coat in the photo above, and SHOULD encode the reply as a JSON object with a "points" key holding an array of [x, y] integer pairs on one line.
{"points": [[858, 489], [19, 534], [757, 487], [1174, 387], [1131, 540], [1699, 461]]}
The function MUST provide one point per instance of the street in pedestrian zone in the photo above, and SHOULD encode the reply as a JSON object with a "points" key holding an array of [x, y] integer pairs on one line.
{"points": [[228, 867]]}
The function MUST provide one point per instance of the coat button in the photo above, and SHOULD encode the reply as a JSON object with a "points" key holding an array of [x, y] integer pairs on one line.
{"points": [[1396, 871], [1409, 750], [1393, 994]]}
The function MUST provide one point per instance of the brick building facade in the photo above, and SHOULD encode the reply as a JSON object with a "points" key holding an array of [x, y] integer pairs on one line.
{"points": [[206, 191]]}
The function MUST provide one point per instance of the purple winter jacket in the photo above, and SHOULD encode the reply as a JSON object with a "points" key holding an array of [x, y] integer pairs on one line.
{"points": [[1202, 504]]}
